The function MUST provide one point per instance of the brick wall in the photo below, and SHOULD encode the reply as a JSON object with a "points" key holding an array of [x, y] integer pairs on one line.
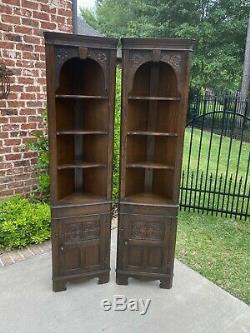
{"points": [[22, 23]]}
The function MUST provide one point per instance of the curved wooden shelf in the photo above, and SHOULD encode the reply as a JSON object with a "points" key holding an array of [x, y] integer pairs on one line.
{"points": [[81, 132], [154, 98], [150, 165], [81, 97], [81, 198], [80, 165], [148, 198], [152, 133]]}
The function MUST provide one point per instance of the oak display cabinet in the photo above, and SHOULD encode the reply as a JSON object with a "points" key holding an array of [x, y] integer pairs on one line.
{"points": [[80, 90], [155, 95]]}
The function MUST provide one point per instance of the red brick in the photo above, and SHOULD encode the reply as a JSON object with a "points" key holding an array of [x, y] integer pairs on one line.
{"points": [[16, 104], [41, 16], [12, 2], [11, 19], [6, 45], [3, 120], [13, 37], [5, 9], [32, 88], [30, 4], [28, 96], [25, 47], [48, 25], [19, 119], [25, 80], [5, 27], [64, 12], [34, 104], [32, 39], [28, 126], [30, 55], [29, 154], [48, 9], [30, 22], [39, 48], [27, 112], [12, 157], [12, 142], [23, 30], [6, 193]]}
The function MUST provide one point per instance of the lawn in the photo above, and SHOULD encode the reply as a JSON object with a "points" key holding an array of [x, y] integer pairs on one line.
{"points": [[210, 184], [213, 158], [217, 248]]}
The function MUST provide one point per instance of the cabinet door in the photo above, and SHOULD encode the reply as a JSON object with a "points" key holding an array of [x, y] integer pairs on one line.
{"points": [[82, 244], [147, 243]]}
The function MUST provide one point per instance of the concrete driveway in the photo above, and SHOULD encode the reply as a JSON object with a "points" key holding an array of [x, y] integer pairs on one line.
{"points": [[27, 304]]}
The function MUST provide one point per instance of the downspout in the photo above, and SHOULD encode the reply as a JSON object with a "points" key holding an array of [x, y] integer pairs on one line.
{"points": [[74, 16]]}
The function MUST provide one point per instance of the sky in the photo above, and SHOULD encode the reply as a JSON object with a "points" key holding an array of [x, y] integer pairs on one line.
{"points": [[85, 3]]}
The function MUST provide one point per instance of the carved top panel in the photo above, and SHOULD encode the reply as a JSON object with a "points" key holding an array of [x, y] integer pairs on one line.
{"points": [[147, 231], [78, 232]]}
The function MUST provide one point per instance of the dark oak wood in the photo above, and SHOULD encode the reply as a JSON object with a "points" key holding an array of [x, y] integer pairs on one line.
{"points": [[155, 93], [80, 93]]}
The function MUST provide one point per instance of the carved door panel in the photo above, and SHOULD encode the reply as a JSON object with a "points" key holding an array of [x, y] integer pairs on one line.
{"points": [[82, 244], [147, 243]]}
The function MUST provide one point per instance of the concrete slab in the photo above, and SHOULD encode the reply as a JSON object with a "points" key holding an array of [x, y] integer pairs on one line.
{"points": [[193, 305]]}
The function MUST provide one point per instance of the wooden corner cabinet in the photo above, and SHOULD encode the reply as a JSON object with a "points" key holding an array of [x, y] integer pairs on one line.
{"points": [[80, 93], [155, 95]]}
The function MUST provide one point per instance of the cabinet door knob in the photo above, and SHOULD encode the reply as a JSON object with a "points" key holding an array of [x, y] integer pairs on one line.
{"points": [[125, 243], [62, 248]]}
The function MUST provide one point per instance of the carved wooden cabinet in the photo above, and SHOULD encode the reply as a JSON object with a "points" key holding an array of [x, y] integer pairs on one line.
{"points": [[80, 91], [155, 95]]}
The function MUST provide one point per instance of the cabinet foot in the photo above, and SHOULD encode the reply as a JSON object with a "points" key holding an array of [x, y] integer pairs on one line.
{"points": [[166, 283], [59, 286], [121, 280], [103, 279]]}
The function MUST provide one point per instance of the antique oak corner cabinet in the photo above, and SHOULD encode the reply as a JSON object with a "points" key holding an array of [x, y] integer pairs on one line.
{"points": [[80, 90], [154, 105]]}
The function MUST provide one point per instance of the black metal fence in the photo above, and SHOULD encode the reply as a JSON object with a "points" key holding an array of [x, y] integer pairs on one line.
{"points": [[215, 173]]}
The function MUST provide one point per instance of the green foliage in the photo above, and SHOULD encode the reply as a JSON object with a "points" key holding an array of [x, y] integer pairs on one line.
{"points": [[23, 223], [116, 153], [218, 248], [219, 28], [41, 146]]}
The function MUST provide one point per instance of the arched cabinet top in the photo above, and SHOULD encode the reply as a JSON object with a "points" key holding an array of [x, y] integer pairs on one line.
{"points": [[166, 84], [81, 77], [66, 55]]}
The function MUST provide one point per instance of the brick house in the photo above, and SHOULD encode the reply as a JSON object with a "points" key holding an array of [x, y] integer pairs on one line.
{"points": [[22, 23]]}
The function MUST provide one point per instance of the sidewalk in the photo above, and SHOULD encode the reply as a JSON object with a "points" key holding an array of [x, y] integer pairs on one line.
{"points": [[193, 305]]}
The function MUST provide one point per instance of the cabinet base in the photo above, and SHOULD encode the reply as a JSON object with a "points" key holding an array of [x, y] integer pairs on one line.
{"points": [[59, 286], [166, 281], [59, 283]]}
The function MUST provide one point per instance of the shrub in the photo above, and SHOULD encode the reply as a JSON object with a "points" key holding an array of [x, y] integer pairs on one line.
{"points": [[41, 147], [23, 222], [117, 119]]}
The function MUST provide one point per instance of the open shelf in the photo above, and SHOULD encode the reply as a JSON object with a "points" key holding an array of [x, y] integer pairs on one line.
{"points": [[154, 98], [82, 127], [83, 116], [81, 132], [150, 165], [81, 97], [152, 133], [81, 165], [148, 198], [81, 198]]}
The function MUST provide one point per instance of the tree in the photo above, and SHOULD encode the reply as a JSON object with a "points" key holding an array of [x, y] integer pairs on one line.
{"points": [[245, 85], [218, 26]]}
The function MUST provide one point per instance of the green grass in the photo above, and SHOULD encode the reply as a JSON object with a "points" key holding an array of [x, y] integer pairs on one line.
{"points": [[212, 159], [217, 248]]}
